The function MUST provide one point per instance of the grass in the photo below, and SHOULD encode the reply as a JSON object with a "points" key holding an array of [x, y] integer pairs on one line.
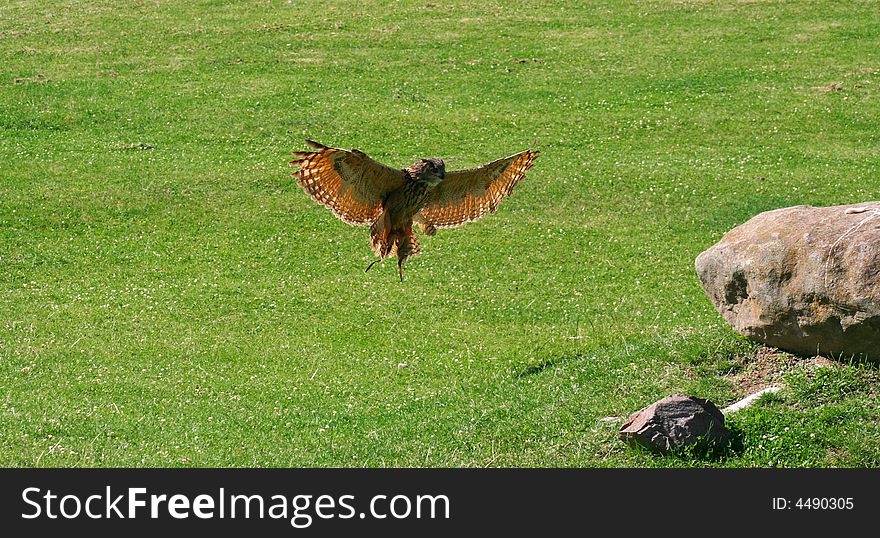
{"points": [[170, 297]]}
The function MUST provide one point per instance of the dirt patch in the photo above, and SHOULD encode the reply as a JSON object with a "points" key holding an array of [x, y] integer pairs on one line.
{"points": [[816, 362], [833, 87], [836, 456], [39, 78], [768, 366]]}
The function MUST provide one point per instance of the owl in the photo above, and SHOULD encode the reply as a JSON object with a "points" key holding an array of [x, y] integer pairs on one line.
{"points": [[362, 191]]}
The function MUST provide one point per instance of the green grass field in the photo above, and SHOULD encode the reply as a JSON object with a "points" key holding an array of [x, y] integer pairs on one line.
{"points": [[170, 297]]}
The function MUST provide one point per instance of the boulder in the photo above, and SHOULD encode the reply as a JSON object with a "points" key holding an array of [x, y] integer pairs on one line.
{"points": [[676, 421], [803, 279]]}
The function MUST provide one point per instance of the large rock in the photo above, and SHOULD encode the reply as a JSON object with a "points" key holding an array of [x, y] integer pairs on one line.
{"points": [[804, 279], [676, 421]]}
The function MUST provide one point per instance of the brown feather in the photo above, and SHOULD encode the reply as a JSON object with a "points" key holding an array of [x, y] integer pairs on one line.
{"points": [[467, 195], [350, 183]]}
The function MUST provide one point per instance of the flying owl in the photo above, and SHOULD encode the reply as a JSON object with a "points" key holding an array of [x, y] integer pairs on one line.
{"points": [[362, 191]]}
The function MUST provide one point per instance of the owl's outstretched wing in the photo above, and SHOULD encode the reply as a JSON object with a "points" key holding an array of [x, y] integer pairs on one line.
{"points": [[467, 195], [348, 182]]}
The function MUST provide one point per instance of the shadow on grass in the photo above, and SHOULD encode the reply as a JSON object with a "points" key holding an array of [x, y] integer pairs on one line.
{"points": [[711, 454], [714, 453], [537, 368]]}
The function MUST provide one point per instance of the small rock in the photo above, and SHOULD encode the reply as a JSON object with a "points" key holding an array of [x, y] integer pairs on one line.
{"points": [[676, 421]]}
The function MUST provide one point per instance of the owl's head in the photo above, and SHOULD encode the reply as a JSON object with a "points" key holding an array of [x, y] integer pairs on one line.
{"points": [[430, 171]]}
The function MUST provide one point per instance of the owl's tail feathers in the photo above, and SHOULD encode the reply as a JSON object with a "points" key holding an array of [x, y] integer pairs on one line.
{"points": [[407, 244], [386, 240]]}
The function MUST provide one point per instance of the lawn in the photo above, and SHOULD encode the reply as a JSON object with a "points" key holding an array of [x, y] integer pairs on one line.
{"points": [[170, 297]]}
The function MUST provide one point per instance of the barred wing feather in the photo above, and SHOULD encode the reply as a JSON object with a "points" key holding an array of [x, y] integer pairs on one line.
{"points": [[467, 195], [348, 182]]}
